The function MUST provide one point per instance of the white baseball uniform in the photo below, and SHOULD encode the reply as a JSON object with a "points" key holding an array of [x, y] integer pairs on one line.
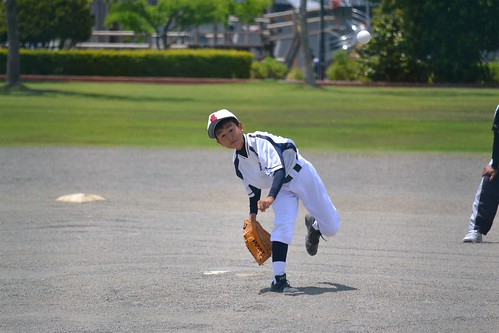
{"points": [[262, 154]]}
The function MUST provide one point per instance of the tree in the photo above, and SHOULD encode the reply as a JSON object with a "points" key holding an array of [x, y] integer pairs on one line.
{"points": [[451, 37], [74, 22], [44, 21], [13, 58], [196, 13], [248, 10], [432, 41], [141, 17], [385, 58]]}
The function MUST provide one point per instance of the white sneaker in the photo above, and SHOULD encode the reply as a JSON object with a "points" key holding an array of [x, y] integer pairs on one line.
{"points": [[473, 236]]}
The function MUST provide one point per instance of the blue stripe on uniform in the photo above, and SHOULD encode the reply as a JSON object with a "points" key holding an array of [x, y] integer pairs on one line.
{"points": [[280, 147], [236, 166]]}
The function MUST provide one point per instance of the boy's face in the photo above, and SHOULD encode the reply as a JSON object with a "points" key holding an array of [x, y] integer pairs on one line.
{"points": [[230, 135]]}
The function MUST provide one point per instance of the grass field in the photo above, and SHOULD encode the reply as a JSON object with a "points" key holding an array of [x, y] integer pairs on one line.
{"points": [[175, 116]]}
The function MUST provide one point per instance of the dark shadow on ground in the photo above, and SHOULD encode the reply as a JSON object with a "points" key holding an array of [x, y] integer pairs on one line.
{"points": [[313, 290], [24, 91]]}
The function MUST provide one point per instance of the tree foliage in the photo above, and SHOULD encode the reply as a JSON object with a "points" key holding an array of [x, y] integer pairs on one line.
{"points": [[385, 58], [432, 41], [43, 21], [140, 16], [195, 13], [248, 10]]}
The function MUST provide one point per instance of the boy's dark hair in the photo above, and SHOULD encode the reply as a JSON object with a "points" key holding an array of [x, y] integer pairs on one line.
{"points": [[223, 122]]}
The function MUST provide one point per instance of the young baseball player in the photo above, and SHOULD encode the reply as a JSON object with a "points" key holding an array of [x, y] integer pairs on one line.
{"points": [[266, 161], [487, 195]]}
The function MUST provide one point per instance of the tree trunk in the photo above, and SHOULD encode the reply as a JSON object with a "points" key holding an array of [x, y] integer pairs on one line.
{"points": [[215, 34], [305, 46], [13, 58], [161, 37], [164, 35]]}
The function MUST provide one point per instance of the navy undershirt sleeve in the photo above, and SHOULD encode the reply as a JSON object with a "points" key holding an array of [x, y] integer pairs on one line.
{"points": [[279, 176], [253, 201]]}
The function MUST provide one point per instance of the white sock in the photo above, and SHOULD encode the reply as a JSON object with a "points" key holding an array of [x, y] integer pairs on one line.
{"points": [[278, 268]]}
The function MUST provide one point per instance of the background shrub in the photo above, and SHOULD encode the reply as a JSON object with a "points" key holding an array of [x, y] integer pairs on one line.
{"points": [[494, 71], [268, 68], [296, 73], [343, 68]]}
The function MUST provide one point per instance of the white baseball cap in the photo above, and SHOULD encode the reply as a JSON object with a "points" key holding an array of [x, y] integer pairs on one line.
{"points": [[215, 118]]}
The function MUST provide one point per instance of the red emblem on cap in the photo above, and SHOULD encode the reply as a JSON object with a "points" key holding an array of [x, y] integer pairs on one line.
{"points": [[213, 117]]}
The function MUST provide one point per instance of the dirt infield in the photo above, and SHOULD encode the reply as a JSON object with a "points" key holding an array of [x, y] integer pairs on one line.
{"points": [[164, 251]]}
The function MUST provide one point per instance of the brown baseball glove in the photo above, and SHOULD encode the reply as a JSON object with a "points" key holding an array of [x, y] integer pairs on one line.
{"points": [[257, 240]]}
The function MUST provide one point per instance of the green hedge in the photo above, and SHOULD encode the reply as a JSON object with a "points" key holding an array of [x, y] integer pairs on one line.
{"points": [[206, 63]]}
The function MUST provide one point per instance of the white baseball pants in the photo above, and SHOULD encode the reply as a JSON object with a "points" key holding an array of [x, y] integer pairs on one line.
{"points": [[308, 187]]}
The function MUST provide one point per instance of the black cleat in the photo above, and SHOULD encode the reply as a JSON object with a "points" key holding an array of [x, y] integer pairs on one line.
{"points": [[312, 238], [282, 285]]}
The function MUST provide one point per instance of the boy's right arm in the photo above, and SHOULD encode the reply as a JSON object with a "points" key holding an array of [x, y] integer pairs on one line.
{"points": [[253, 203]]}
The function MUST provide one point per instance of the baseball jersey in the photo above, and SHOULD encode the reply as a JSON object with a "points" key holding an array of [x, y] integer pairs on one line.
{"points": [[262, 154]]}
